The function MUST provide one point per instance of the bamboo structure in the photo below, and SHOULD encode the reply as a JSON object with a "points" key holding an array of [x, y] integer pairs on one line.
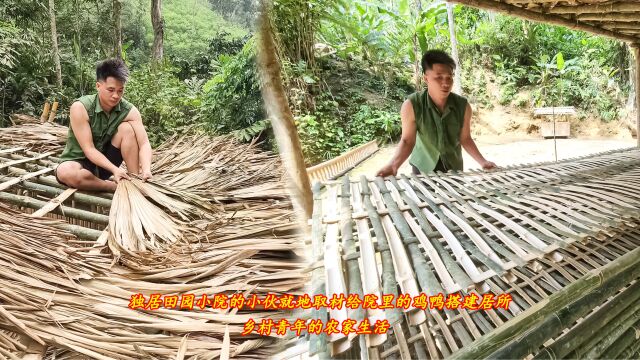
{"points": [[594, 16], [338, 166], [71, 266], [562, 239], [636, 53], [284, 128]]}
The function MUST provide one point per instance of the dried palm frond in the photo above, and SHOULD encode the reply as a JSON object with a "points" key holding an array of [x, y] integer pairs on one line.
{"points": [[47, 137], [217, 168]]}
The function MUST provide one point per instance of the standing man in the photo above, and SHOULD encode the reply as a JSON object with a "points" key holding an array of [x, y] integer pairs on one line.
{"points": [[104, 130], [436, 123]]}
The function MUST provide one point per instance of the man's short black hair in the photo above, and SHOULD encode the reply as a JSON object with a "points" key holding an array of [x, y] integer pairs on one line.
{"points": [[432, 57], [112, 67]]}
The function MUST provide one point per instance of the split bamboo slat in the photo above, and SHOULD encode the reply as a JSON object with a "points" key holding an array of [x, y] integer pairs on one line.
{"points": [[562, 239], [339, 165]]}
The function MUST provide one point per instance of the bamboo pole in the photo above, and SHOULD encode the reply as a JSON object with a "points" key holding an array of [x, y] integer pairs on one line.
{"points": [[630, 17], [284, 128], [318, 343], [597, 8], [544, 18], [636, 52], [26, 201], [52, 114], [625, 341], [559, 320], [45, 111], [627, 263]]}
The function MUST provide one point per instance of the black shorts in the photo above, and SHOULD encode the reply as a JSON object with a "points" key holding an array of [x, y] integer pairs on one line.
{"points": [[112, 153], [439, 167]]}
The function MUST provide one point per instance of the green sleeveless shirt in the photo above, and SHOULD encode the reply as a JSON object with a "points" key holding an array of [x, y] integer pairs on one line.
{"points": [[103, 126], [437, 135]]}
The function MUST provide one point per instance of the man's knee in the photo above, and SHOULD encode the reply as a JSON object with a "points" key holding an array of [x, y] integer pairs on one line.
{"points": [[72, 174], [125, 130]]}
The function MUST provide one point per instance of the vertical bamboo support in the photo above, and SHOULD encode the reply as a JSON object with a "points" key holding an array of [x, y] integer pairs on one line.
{"points": [[284, 128], [636, 52], [45, 111], [54, 109]]}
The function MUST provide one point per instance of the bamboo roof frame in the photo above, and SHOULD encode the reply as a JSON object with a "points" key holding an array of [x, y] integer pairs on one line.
{"points": [[373, 226], [601, 17]]}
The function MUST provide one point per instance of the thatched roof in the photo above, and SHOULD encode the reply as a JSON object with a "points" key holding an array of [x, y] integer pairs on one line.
{"points": [[619, 19]]}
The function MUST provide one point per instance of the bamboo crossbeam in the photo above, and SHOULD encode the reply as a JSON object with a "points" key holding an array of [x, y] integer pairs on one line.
{"points": [[22, 161], [553, 324], [8, 183], [597, 8], [26, 201], [627, 265], [53, 203]]}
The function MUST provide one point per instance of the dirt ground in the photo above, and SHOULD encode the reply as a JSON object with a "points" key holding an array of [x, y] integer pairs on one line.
{"points": [[507, 137]]}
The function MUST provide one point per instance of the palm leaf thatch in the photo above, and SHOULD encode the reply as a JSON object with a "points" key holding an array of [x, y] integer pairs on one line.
{"points": [[193, 229], [47, 137], [69, 297]]}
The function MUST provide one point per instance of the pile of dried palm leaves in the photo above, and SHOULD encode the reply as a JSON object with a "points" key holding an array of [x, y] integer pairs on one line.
{"points": [[204, 189], [63, 294], [40, 137], [192, 229]]}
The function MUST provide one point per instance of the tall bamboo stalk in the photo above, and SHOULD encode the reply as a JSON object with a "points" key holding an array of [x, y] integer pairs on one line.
{"points": [[286, 134]]}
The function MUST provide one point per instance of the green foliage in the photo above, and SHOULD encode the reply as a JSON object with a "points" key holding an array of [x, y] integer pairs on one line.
{"points": [[374, 124], [328, 132], [167, 105], [231, 99], [189, 26], [242, 12]]}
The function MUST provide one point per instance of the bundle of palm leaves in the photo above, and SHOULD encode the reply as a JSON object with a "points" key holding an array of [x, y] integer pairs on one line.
{"points": [[204, 189]]}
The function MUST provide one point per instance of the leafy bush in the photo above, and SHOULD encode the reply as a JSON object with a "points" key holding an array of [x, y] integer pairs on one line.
{"points": [[166, 104], [231, 99]]}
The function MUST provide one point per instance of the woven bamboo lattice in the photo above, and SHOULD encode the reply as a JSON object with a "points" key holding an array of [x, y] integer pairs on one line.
{"points": [[336, 167], [539, 232], [71, 294]]}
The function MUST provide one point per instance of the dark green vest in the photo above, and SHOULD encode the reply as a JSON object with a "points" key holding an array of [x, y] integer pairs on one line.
{"points": [[437, 135], [103, 126]]}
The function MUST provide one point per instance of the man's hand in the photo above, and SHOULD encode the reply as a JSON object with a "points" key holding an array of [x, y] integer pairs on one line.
{"points": [[488, 165], [146, 175], [119, 174], [387, 171]]}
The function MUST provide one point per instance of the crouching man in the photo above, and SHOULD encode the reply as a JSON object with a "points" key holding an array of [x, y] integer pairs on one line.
{"points": [[104, 130]]}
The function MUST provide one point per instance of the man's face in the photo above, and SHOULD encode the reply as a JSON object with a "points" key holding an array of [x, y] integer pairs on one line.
{"points": [[110, 91], [439, 79]]}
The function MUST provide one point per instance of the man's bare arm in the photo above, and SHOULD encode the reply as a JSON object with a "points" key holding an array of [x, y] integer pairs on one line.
{"points": [[469, 145], [135, 119], [79, 119], [407, 141]]}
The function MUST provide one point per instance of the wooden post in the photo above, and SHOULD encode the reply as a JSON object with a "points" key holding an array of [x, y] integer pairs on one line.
{"points": [[54, 109], [275, 100], [45, 111], [636, 52]]}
